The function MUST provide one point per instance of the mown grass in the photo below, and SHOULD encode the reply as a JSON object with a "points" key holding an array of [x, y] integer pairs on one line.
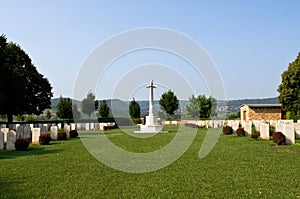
{"points": [[235, 168]]}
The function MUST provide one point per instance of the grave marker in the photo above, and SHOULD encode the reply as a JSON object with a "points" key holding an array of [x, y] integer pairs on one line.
{"points": [[264, 131], [36, 132], [5, 131], [1, 140], [10, 140], [53, 133], [288, 131]]}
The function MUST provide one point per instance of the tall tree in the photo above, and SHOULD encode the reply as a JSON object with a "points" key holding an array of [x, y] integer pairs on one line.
{"points": [[64, 108], [289, 89], [104, 109], [76, 112], [207, 106], [169, 102], [192, 108], [23, 90], [134, 109], [89, 104]]}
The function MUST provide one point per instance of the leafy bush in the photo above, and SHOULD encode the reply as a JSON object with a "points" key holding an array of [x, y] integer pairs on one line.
{"points": [[240, 132], [73, 134], [271, 130], [137, 120], [61, 136], [278, 138], [44, 139], [253, 129], [227, 130], [22, 144], [191, 125], [255, 135]]}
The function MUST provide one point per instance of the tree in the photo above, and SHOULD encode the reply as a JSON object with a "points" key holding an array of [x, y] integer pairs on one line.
{"points": [[89, 104], [192, 108], [48, 115], [64, 108], [289, 89], [104, 109], [169, 102], [134, 109], [207, 106], [23, 90], [76, 112]]}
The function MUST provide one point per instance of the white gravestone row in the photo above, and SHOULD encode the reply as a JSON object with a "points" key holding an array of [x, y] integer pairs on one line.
{"points": [[73, 126], [20, 132], [87, 126], [27, 130], [235, 125], [264, 131], [279, 126]]}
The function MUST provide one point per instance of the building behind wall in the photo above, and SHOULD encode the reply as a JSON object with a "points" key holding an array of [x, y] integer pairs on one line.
{"points": [[261, 112]]}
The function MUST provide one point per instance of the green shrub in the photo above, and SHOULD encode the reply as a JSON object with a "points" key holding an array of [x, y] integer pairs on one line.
{"points": [[61, 136], [227, 130], [73, 134], [44, 139], [271, 130], [22, 144], [278, 138], [253, 129], [240, 132], [137, 120]]}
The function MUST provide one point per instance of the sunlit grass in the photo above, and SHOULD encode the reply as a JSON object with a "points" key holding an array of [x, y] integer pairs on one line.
{"points": [[235, 168]]}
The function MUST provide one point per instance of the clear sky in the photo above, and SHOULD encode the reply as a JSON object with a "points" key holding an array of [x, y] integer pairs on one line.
{"points": [[251, 42]]}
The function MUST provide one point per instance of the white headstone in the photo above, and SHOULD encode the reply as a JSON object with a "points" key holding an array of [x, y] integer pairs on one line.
{"points": [[279, 126], [20, 132], [264, 131], [248, 128], [67, 129], [53, 132], [31, 125], [27, 130], [10, 140], [92, 126], [235, 125], [36, 132], [297, 130], [5, 131], [87, 126], [1, 140], [288, 121], [43, 130], [288, 131], [73, 126], [59, 125]]}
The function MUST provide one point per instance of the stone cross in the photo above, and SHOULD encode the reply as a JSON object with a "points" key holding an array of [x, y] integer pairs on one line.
{"points": [[151, 86]]}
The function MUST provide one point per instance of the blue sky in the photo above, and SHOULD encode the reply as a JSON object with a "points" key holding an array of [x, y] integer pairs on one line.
{"points": [[251, 42]]}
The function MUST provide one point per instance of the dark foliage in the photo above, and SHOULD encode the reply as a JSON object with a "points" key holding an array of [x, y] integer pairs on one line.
{"points": [[240, 132], [278, 138], [227, 130], [61, 136], [44, 139], [73, 134], [255, 135], [22, 144]]}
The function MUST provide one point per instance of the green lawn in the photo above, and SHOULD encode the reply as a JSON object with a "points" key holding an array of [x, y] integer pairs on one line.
{"points": [[235, 168]]}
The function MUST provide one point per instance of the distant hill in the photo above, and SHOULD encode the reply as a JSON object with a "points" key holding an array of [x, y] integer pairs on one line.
{"points": [[121, 107]]}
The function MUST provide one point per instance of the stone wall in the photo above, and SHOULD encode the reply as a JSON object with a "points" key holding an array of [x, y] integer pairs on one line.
{"points": [[260, 113]]}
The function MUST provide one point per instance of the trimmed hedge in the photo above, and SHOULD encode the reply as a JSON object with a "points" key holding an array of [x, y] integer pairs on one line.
{"points": [[44, 139], [61, 136], [22, 144], [240, 132], [278, 138], [255, 135], [73, 134], [227, 130]]}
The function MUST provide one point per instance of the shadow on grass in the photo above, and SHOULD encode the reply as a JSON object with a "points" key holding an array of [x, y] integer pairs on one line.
{"points": [[5, 154]]}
